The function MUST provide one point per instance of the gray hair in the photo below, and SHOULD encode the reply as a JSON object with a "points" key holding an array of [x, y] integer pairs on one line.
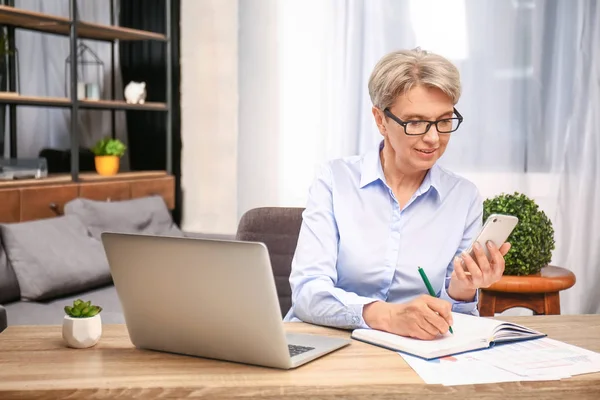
{"points": [[398, 72]]}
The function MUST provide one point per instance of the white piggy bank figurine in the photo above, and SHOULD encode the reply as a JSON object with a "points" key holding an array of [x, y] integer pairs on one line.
{"points": [[135, 93]]}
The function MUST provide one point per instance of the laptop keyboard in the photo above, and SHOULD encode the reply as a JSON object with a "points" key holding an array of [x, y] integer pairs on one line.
{"points": [[295, 350]]}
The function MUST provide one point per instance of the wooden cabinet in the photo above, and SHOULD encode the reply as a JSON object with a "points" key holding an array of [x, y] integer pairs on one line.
{"points": [[148, 187], [45, 198], [106, 191], [45, 202], [10, 201]]}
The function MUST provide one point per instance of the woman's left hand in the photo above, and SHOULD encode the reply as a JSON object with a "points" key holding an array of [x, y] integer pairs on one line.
{"points": [[481, 272]]}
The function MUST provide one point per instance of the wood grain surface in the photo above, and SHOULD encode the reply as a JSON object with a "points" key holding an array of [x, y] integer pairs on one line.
{"points": [[35, 364], [538, 292], [550, 279], [60, 25]]}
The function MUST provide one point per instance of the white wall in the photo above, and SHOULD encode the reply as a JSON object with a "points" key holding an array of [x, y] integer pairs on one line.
{"points": [[540, 187], [209, 114], [230, 111], [258, 132]]}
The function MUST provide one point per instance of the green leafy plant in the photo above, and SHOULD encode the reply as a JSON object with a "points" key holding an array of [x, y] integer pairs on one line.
{"points": [[532, 241], [5, 46], [82, 309], [109, 147]]}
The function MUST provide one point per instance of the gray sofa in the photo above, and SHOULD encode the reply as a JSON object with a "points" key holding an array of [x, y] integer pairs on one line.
{"points": [[46, 264], [34, 255]]}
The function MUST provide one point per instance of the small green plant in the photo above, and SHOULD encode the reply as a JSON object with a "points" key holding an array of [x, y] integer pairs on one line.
{"points": [[109, 147], [82, 309], [532, 241], [5, 46]]}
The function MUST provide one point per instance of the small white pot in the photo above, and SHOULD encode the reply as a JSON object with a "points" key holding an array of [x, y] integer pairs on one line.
{"points": [[81, 333]]}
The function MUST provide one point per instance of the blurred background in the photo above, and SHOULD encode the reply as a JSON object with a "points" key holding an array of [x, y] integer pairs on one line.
{"points": [[288, 90], [268, 89]]}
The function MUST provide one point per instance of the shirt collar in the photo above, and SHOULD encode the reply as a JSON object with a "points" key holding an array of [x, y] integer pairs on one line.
{"points": [[433, 180], [372, 170]]}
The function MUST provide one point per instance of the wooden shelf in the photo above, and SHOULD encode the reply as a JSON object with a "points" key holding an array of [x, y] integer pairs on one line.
{"points": [[83, 177], [121, 105], [90, 30], [14, 98], [31, 20]]}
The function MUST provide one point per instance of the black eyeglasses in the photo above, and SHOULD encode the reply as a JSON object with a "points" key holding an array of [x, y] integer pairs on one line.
{"points": [[421, 127]]}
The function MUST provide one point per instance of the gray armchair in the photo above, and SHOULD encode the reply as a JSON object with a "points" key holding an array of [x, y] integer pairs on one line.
{"points": [[278, 229]]}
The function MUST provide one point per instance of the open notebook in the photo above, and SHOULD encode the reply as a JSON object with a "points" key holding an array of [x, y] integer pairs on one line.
{"points": [[470, 333]]}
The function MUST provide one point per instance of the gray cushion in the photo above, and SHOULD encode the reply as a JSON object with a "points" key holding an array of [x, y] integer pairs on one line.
{"points": [[146, 215], [54, 257], [3, 322], [9, 285], [52, 313], [278, 228]]}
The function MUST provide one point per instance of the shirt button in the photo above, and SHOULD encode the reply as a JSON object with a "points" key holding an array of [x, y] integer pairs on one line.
{"points": [[355, 320]]}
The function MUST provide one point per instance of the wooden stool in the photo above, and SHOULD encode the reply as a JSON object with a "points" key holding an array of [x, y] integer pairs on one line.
{"points": [[538, 292]]}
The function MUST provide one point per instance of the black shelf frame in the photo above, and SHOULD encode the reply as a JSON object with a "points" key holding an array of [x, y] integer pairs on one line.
{"points": [[73, 103]]}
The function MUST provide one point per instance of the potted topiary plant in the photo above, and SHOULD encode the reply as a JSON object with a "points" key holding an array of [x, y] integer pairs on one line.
{"points": [[532, 240], [107, 153], [82, 326]]}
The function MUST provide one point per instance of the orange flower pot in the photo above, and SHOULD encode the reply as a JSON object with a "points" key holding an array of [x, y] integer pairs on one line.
{"points": [[107, 165]]}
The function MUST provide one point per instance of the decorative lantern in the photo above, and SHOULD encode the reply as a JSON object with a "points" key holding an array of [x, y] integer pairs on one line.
{"points": [[90, 74]]}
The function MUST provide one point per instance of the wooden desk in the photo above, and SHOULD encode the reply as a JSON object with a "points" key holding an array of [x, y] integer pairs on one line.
{"points": [[35, 364]]}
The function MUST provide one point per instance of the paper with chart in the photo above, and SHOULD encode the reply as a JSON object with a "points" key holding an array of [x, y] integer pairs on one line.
{"points": [[534, 360], [546, 356], [464, 369]]}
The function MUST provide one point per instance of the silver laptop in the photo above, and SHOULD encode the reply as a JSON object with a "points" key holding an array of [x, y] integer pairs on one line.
{"points": [[207, 298]]}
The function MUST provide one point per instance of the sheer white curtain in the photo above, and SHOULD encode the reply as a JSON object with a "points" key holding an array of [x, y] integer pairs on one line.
{"points": [[42, 73], [577, 159], [325, 107], [529, 70]]}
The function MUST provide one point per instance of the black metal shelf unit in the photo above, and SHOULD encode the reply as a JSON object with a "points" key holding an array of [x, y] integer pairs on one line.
{"points": [[75, 29]]}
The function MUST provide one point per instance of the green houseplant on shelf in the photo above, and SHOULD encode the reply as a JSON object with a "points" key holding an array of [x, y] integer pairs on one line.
{"points": [[82, 325], [532, 240], [108, 153]]}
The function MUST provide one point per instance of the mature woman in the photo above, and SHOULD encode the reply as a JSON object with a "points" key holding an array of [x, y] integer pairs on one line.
{"points": [[372, 220]]}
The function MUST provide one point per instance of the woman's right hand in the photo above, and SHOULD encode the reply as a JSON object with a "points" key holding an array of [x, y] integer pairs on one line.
{"points": [[424, 318]]}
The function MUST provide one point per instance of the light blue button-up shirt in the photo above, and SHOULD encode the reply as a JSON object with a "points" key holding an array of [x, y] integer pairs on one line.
{"points": [[356, 246]]}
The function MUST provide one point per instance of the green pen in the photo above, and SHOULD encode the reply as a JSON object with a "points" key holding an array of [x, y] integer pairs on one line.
{"points": [[429, 288]]}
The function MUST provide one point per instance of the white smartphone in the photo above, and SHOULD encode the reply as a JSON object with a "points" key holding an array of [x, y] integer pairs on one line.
{"points": [[497, 228]]}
